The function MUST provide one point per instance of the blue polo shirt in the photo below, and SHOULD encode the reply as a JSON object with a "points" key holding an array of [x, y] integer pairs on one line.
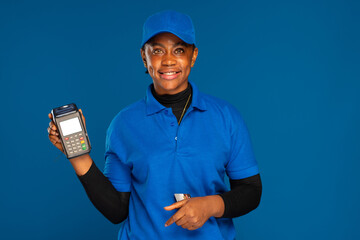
{"points": [[151, 156]]}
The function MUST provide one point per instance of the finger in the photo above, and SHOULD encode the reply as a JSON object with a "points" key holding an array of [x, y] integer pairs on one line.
{"points": [[52, 126], [187, 226], [182, 221], [192, 228], [179, 214], [52, 132], [82, 115], [54, 139], [52, 121], [176, 205]]}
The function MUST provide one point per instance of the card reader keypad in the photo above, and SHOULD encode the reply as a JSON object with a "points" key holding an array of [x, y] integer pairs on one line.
{"points": [[75, 143]]}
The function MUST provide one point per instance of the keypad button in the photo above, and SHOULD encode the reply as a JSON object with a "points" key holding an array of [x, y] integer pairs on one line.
{"points": [[80, 134], [71, 152], [82, 141], [66, 138], [73, 144], [82, 138], [70, 149]]}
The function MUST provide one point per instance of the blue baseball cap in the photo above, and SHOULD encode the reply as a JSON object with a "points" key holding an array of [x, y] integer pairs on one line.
{"points": [[170, 21]]}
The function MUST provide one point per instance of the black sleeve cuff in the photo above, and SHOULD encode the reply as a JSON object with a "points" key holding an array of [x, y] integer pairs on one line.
{"points": [[244, 196]]}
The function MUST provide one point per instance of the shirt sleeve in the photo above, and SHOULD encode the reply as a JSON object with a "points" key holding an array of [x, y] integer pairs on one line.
{"points": [[244, 196], [242, 163], [112, 204], [116, 169]]}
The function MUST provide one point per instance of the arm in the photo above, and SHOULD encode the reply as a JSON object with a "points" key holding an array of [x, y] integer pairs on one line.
{"points": [[244, 196], [112, 204]]}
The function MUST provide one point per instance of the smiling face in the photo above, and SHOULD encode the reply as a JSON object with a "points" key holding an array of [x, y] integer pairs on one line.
{"points": [[169, 61]]}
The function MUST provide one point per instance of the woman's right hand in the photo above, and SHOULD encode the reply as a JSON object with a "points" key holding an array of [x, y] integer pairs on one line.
{"points": [[54, 136]]}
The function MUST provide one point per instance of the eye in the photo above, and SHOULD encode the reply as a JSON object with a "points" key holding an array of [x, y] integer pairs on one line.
{"points": [[157, 51], [179, 50]]}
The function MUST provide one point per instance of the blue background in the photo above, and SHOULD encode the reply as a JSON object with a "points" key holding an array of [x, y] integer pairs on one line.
{"points": [[290, 67]]}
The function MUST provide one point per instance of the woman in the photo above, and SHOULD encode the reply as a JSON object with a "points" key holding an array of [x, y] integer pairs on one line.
{"points": [[175, 140]]}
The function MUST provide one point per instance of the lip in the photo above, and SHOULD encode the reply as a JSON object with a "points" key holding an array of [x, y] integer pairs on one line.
{"points": [[169, 77], [168, 70]]}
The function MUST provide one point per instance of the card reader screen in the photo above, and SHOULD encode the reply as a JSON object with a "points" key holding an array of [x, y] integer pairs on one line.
{"points": [[70, 126]]}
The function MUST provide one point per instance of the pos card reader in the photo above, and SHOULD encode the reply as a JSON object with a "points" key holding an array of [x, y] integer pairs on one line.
{"points": [[72, 131]]}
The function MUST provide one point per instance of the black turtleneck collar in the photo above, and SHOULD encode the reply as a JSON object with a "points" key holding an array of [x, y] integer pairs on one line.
{"points": [[176, 101], [167, 99]]}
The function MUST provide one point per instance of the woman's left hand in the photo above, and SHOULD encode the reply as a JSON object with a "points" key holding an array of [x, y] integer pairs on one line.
{"points": [[194, 212]]}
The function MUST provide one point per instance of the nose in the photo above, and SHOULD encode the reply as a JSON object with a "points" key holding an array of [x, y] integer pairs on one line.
{"points": [[168, 60]]}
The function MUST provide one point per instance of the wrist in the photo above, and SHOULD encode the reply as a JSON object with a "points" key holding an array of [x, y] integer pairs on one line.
{"points": [[79, 158], [81, 164], [217, 206]]}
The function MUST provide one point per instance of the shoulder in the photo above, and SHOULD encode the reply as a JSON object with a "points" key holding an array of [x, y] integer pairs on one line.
{"points": [[215, 104], [223, 112], [130, 114]]}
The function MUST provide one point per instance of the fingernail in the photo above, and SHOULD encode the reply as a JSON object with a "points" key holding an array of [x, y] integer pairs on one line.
{"points": [[166, 225]]}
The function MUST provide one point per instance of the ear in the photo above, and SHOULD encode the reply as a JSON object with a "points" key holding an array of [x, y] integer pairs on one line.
{"points": [[194, 56], [143, 56]]}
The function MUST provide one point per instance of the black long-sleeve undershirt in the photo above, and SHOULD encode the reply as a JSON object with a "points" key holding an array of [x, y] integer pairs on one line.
{"points": [[112, 204], [243, 197]]}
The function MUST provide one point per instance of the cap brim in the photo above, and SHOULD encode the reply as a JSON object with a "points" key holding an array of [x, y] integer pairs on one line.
{"points": [[185, 38]]}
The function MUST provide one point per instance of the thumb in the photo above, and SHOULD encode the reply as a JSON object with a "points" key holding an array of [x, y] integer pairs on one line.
{"points": [[176, 205], [82, 115]]}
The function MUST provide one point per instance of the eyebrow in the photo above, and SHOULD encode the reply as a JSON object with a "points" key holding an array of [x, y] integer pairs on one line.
{"points": [[161, 45]]}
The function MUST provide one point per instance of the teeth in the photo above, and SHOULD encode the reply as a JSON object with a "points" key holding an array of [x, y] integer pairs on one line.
{"points": [[169, 73]]}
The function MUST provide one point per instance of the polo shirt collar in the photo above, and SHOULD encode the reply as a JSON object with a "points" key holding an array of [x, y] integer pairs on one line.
{"points": [[153, 106]]}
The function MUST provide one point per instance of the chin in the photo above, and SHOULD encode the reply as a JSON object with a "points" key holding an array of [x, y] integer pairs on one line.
{"points": [[170, 87]]}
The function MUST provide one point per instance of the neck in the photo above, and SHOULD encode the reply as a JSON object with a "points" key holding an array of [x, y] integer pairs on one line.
{"points": [[161, 91], [177, 102], [169, 99]]}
